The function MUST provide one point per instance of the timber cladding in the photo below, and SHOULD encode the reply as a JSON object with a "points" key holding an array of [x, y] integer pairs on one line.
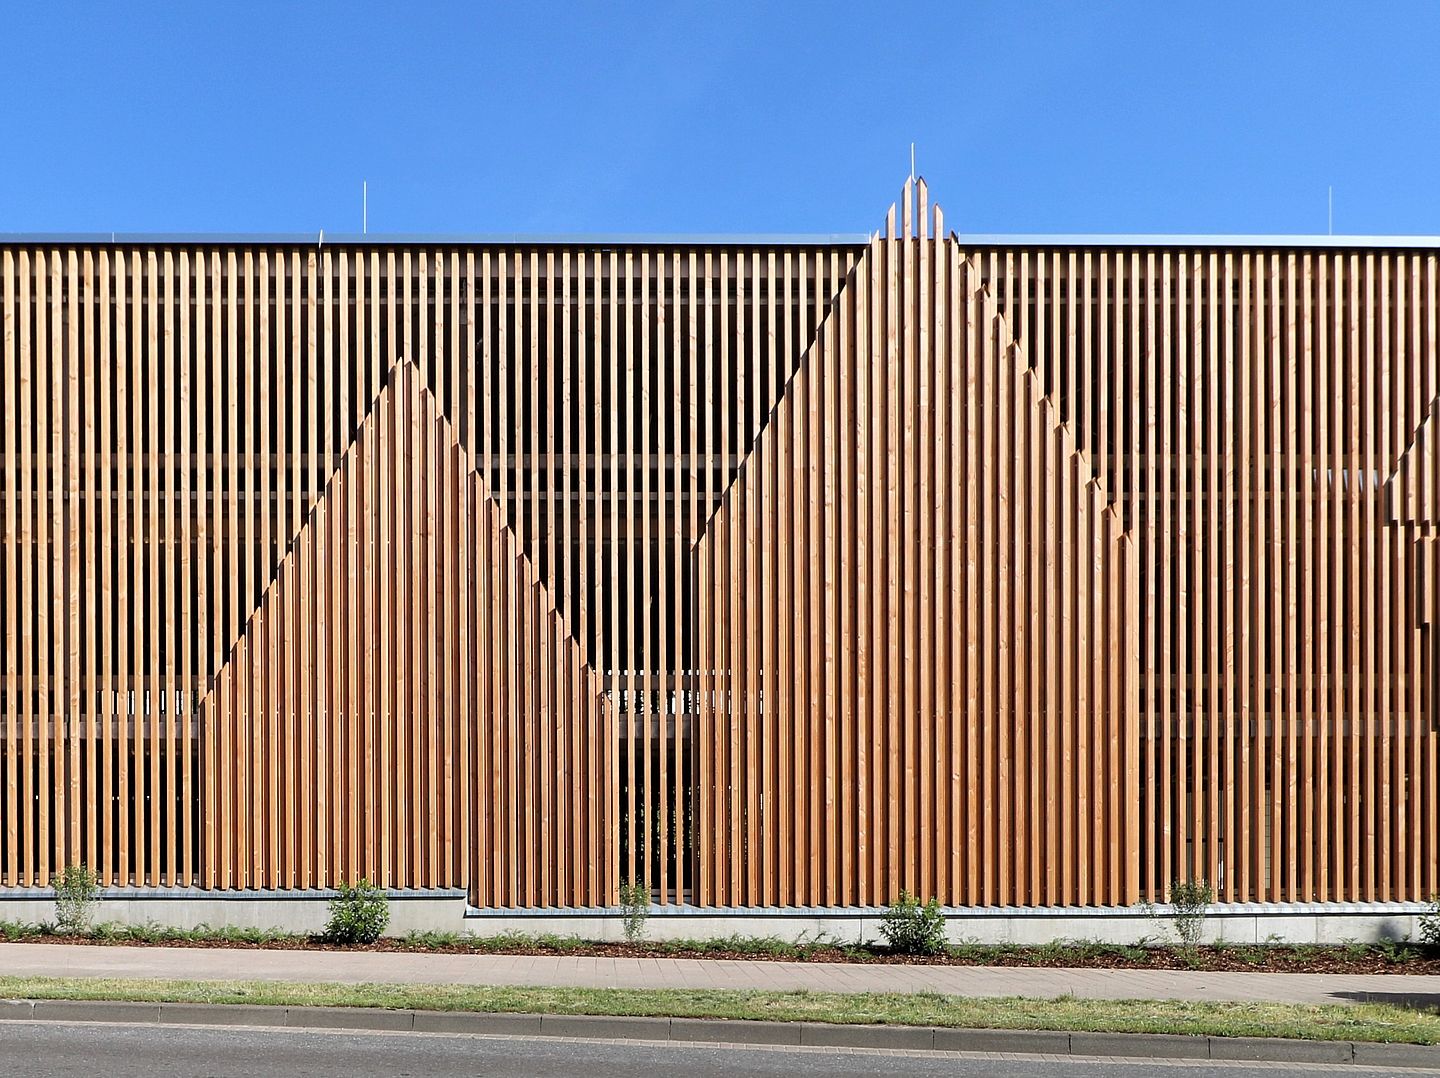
{"points": [[770, 574]]}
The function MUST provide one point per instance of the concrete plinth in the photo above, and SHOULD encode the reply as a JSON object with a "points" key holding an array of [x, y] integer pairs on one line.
{"points": [[447, 911]]}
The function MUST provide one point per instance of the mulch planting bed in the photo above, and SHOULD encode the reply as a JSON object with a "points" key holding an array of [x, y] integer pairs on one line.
{"points": [[1232, 958]]}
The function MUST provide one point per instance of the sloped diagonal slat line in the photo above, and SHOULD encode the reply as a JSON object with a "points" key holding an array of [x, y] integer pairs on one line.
{"points": [[1411, 491], [1413, 503]]}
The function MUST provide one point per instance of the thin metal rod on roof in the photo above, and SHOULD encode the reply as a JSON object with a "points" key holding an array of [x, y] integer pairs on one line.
{"points": [[364, 208]]}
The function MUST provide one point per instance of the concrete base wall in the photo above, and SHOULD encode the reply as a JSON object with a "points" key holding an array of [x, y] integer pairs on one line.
{"points": [[446, 911], [1239, 923], [288, 911]]}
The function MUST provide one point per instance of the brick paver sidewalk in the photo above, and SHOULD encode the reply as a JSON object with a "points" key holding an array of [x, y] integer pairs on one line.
{"points": [[66, 960]]}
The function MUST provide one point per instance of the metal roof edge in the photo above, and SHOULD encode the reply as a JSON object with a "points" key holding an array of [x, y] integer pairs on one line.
{"points": [[638, 239], [1191, 241]]}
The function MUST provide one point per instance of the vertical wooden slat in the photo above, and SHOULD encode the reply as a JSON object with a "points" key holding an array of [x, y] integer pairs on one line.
{"points": [[246, 571], [1325, 704], [1303, 885], [414, 288], [1369, 670], [739, 778], [623, 593], [185, 692], [670, 828], [1017, 398], [919, 314], [893, 252], [111, 423], [843, 742], [491, 881], [653, 819], [570, 838], [427, 747], [17, 550], [1381, 629], [1416, 662], [312, 811], [286, 524], [299, 377], [974, 602], [377, 684], [785, 701], [47, 520], [550, 704], [588, 435], [265, 849], [65, 463], [348, 556], [83, 560], [680, 586], [29, 597], [864, 551]]}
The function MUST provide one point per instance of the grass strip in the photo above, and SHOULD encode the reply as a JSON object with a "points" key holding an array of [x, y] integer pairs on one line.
{"points": [[1360, 1022]]}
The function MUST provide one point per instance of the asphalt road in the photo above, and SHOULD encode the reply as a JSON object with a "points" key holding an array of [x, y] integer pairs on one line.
{"points": [[50, 1048]]}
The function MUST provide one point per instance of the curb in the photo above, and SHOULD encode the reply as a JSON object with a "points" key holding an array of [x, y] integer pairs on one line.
{"points": [[732, 1031]]}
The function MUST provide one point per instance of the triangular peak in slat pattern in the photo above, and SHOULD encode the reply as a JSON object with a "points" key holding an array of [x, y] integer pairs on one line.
{"points": [[419, 706], [915, 217], [917, 621]]}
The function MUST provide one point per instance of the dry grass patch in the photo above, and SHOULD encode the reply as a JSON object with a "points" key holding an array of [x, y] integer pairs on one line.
{"points": [[1361, 1022]]}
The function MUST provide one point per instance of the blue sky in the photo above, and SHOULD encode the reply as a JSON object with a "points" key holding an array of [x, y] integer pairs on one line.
{"points": [[724, 117]]}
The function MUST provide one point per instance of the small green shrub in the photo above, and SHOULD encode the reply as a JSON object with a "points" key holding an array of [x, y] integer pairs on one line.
{"points": [[20, 930], [1352, 948], [1189, 902], [1394, 951], [912, 928], [1084, 951], [106, 931], [149, 932], [359, 913], [635, 908], [1051, 952], [554, 942], [1430, 923], [969, 949], [77, 891], [435, 941]]}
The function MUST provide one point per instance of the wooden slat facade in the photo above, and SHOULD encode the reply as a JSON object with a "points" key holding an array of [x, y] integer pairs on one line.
{"points": [[768, 574], [1262, 429]]}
